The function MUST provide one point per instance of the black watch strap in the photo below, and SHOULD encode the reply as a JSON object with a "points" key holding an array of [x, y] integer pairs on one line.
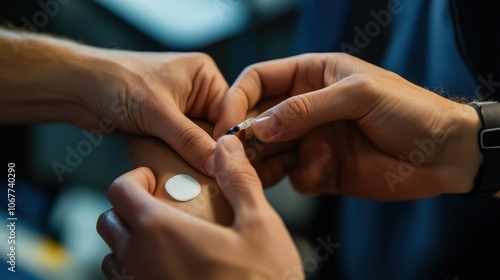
{"points": [[487, 181]]}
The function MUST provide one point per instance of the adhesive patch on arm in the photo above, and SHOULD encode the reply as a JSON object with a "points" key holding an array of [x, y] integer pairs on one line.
{"points": [[183, 187]]}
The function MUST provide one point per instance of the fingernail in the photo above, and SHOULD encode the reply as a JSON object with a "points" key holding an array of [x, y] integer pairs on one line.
{"points": [[210, 165], [232, 145], [267, 128]]}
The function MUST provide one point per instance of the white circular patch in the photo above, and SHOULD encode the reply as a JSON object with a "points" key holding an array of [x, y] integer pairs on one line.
{"points": [[183, 187]]}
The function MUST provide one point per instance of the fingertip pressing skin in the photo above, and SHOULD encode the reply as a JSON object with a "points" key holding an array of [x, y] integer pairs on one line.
{"points": [[165, 163], [229, 147], [237, 177]]}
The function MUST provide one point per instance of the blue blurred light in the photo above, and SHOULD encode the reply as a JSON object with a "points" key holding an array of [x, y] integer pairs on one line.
{"points": [[188, 24]]}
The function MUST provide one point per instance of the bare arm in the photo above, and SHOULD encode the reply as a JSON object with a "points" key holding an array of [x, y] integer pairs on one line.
{"points": [[165, 163], [363, 131], [49, 79], [42, 78], [152, 240]]}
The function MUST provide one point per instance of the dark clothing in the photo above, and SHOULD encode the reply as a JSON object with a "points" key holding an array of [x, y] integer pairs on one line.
{"points": [[446, 47]]}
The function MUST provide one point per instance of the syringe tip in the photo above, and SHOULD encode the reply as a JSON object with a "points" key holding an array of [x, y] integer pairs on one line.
{"points": [[262, 118]]}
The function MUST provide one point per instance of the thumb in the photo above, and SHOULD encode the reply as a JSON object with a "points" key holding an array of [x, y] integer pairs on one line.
{"points": [[237, 178], [297, 115], [188, 139]]}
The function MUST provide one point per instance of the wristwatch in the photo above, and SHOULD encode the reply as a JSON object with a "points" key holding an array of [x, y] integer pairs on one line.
{"points": [[487, 181]]}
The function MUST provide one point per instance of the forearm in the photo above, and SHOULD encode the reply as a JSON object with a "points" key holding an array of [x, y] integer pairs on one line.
{"points": [[165, 163], [45, 79]]}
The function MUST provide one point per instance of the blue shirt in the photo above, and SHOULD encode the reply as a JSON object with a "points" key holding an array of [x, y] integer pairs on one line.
{"points": [[413, 239]]}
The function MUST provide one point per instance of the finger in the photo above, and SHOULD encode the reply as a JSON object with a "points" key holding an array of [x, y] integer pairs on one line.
{"points": [[237, 178], [132, 196], [109, 264], [188, 139], [317, 163], [297, 74], [273, 169], [113, 231], [257, 151], [348, 99]]}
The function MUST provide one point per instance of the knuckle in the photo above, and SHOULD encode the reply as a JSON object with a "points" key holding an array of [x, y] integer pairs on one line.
{"points": [[235, 174], [362, 93], [203, 58], [250, 71], [101, 221], [360, 86], [306, 55], [116, 187], [262, 219], [364, 80], [343, 56], [189, 142], [239, 97], [297, 109]]}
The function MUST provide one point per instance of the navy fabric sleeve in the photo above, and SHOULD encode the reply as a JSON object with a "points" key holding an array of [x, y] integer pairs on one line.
{"points": [[435, 238], [321, 26], [478, 35]]}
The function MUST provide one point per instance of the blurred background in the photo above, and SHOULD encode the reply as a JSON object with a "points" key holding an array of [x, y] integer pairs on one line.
{"points": [[56, 228]]}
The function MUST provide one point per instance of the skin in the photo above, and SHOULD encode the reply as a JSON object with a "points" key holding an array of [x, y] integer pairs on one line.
{"points": [[346, 123], [46, 79], [210, 205], [150, 239], [338, 125], [359, 130]]}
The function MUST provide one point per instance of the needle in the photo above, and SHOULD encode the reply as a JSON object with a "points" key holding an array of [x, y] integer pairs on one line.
{"points": [[244, 125]]}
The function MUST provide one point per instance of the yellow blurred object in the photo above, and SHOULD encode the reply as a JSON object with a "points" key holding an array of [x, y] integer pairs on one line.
{"points": [[52, 255]]}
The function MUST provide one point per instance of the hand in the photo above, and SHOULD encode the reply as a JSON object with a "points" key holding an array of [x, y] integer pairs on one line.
{"points": [[156, 94], [46, 79], [362, 131], [210, 205], [152, 240]]}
